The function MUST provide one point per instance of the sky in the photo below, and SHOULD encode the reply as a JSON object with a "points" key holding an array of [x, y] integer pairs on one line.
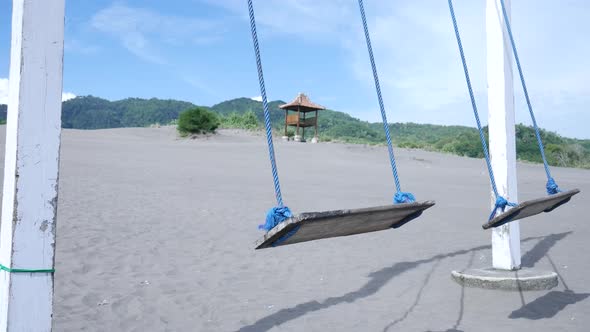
{"points": [[201, 51]]}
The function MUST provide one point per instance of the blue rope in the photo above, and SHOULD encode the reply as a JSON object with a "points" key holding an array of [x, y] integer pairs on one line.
{"points": [[500, 205], [400, 197], [279, 213], [551, 186], [275, 216], [271, 151], [501, 202]]}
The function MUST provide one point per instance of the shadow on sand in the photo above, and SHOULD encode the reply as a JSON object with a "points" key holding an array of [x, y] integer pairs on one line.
{"points": [[378, 279], [548, 305], [416, 301], [531, 257], [545, 306], [455, 327], [552, 303]]}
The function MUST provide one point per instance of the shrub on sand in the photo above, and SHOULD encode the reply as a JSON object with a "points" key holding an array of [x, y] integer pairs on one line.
{"points": [[197, 120], [246, 121]]}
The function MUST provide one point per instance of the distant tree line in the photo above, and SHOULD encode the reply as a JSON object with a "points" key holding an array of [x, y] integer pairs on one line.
{"points": [[459, 140], [96, 113], [3, 110]]}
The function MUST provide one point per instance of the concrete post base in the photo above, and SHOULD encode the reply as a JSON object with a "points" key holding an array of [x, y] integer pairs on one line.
{"points": [[285, 138], [519, 280], [315, 140], [297, 138]]}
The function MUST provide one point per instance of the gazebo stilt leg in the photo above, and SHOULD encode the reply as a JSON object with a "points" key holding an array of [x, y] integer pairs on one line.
{"points": [[316, 126]]}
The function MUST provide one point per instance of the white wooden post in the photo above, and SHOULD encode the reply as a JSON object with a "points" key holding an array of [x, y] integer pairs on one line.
{"points": [[506, 238], [29, 202]]}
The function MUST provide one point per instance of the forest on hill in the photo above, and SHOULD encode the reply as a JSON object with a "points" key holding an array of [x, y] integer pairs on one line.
{"points": [[91, 112]]}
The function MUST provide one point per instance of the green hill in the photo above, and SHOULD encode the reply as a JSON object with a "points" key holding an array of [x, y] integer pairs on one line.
{"points": [[95, 113], [243, 105], [460, 140], [3, 113]]}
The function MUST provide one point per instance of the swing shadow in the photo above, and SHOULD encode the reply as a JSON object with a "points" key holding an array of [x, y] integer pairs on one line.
{"points": [[461, 304], [416, 301], [550, 304], [378, 279], [531, 257], [455, 327]]}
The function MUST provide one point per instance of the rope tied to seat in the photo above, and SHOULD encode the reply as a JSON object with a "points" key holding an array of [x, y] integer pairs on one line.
{"points": [[280, 212], [275, 216], [501, 204], [552, 187], [400, 197], [403, 197]]}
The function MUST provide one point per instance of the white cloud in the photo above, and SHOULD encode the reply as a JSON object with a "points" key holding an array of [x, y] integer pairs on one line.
{"points": [[309, 19], [65, 96], [142, 31], [257, 98], [413, 42], [4, 92], [77, 46], [418, 60]]}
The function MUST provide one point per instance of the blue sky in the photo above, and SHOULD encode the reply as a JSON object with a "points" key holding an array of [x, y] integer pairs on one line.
{"points": [[201, 51]]}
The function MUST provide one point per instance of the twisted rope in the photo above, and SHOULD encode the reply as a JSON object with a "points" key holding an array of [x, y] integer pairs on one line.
{"points": [[267, 124], [400, 197], [551, 186], [501, 202]]}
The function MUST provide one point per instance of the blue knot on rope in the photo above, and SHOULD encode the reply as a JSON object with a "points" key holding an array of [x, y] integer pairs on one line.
{"points": [[275, 216], [552, 187], [501, 204], [402, 197]]}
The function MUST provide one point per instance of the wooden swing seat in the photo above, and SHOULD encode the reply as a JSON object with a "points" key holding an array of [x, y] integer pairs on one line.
{"points": [[531, 208], [322, 225]]}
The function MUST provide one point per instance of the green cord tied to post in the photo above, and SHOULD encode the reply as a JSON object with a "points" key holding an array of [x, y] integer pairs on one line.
{"points": [[11, 270]]}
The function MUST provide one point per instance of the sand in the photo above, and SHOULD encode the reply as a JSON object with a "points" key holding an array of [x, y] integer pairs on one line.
{"points": [[156, 233]]}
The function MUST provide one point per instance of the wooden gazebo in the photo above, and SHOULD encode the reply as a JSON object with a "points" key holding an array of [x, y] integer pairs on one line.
{"points": [[300, 106]]}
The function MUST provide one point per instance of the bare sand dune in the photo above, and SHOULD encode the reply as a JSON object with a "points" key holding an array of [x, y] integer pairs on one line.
{"points": [[157, 234]]}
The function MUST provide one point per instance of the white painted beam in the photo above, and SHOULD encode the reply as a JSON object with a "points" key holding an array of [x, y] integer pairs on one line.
{"points": [[506, 238], [29, 202]]}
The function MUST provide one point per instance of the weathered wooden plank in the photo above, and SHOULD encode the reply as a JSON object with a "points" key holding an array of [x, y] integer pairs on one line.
{"points": [[531, 208], [323, 225]]}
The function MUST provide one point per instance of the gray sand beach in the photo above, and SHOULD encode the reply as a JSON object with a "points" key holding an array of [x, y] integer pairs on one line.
{"points": [[156, 233]]}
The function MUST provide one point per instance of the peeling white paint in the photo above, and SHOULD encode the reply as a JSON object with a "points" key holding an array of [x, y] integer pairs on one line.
{"points": [[506, 238], [27, 231]]}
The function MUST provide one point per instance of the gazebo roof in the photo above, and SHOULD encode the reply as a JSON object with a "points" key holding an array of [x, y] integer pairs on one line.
{"points": [[302, 103]]}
